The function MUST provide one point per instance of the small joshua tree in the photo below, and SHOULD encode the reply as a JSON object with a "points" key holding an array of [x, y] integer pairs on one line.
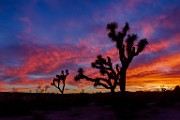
{"points": [[58, 79], [110, 76], [126, 48]]}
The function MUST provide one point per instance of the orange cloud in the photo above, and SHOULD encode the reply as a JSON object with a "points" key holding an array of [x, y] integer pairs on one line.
{"points": [[164, 62], [162, 71]]}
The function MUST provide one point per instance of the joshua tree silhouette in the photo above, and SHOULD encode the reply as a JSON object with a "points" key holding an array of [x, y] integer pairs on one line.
{"points": [[126, 48], [58, 78], [110, 76]]}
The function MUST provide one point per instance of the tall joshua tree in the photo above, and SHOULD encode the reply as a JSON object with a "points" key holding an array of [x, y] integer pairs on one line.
{"points": [[110, 76], [57, 80], [127, 49]]}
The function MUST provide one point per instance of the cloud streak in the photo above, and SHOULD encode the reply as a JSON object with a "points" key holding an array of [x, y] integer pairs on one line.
{"points": [[44, 39]]}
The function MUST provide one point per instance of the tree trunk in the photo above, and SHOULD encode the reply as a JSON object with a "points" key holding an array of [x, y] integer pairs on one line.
{"points": [[123, 80], [112, 90]]}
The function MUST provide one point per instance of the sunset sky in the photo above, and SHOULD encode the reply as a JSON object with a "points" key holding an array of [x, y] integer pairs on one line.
{"points": [[39, 38]]}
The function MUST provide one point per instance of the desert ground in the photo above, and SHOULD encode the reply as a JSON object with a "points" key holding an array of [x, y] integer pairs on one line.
{"points": [[102, 106]]}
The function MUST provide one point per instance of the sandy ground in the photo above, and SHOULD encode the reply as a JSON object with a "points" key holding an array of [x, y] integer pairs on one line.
{"points": [[93, 112]]}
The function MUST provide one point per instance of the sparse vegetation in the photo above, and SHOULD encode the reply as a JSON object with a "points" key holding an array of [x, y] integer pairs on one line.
{"points": [[42, 89], [13, 104]]}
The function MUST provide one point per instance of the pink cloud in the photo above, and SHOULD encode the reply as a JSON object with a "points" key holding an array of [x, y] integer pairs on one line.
{"points": [[27, 25], [26, 20]]}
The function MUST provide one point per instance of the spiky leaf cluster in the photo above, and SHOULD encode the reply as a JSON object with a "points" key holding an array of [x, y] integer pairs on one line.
{"points": [[125, 45], [109, 81]]}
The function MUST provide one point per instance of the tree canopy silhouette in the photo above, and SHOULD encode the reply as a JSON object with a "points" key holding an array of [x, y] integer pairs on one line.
{"points": [[58, 79], [127, 49], [110, 76]]}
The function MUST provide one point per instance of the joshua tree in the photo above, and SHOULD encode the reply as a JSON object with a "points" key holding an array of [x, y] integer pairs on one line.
{"points": [[127, 49], [110, 76], [58, 78]]}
